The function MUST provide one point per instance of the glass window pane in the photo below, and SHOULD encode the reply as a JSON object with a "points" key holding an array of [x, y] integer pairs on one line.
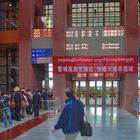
{"points": [[95, 10], [92, 83], [50, 68], [50, 64], [90, 4], [111, 3], [108, 84], [82, 83], [51, 84], [74, 10], [90, 10], [107, 4], [100, 24], [117, 4], [73, 5], [84, 5], [99, 83], [100, 4], [50, 74]]}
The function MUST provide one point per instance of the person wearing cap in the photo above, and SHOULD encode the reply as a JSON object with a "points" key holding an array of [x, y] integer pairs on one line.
{"points": [[71, 116]]}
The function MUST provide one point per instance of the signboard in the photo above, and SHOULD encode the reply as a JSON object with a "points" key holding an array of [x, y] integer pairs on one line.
{"points": [[95, 41], [93, 64], [42, 38], [37, 33], [41, 56]]}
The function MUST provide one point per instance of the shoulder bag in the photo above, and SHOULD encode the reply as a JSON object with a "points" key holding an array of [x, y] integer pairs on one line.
{"points": [[86, 128]]}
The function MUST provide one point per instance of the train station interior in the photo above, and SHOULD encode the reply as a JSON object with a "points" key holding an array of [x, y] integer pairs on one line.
{"points": [[91, 46]]}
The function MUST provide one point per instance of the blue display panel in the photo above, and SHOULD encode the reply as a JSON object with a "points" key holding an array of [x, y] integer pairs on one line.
{"points": [[139, 56], [41, 55]]}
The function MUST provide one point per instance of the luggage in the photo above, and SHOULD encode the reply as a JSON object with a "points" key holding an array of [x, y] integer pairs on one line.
{"points": [[86, 129]]}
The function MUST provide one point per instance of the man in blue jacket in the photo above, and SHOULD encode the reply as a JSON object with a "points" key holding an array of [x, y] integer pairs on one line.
{"points": [[71, 116]]}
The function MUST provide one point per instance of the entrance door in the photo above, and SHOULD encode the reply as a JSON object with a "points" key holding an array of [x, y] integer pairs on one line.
{"points": [[112, 92], [80, 88], [94, 92]]}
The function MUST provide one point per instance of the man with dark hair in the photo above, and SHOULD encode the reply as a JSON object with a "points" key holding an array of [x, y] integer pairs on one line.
{"points": [[71, 116], [36, 103], [6, 110]]}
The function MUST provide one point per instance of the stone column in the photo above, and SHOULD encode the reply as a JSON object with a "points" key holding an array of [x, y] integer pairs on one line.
{"points": [[61, 81], [129, 82], [27, 72]]}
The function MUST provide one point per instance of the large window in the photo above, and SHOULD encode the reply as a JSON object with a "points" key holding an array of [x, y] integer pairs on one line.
{"points": [[9, 12], [88, 14], [96, 14], [79, 15], [49, 75], [48, 16], [8, 68], [112, 14]]}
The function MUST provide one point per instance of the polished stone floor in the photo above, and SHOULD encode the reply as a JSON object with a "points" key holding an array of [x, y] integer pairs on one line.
{"points": [[108, 124]]}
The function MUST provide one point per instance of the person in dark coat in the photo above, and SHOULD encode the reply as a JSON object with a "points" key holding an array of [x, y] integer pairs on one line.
{"points": [[71, 116], [45, 98], [36, 103], [17, 100]]}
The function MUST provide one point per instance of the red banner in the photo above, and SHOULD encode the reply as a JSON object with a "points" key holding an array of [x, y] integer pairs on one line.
{"points": [[93, 64]]}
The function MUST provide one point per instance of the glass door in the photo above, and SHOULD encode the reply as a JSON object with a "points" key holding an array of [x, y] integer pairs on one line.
{"points": [[99, 89], [108, 85], [92, 89], [83, 91], [111, 92], [115, 93]]}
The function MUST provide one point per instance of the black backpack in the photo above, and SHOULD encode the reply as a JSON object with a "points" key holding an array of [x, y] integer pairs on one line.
{"points": [[4, 104]]}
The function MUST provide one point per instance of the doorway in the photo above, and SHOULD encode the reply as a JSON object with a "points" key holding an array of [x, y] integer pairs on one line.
{"points": [[97, 92]]}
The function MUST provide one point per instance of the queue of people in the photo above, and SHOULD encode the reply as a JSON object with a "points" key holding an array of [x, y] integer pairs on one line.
{"points": [[18, 103]]}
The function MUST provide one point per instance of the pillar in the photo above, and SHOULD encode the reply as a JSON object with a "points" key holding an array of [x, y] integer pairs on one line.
{"points": [[129, 82], [69, 11], [27, 72], [61, 81]]}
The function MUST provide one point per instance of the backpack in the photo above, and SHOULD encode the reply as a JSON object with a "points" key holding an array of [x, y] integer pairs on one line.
{"points": [[4, 104]]}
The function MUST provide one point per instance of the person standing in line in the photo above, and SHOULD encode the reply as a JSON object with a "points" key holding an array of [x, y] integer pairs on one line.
{"points": [[71, 116], [17, 100], [50, 94], [6, 110], [45, 98], [30, 99], [36, 103]]}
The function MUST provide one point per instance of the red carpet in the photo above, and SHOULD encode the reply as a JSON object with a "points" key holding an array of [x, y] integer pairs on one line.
{"points": [[22, 128]]}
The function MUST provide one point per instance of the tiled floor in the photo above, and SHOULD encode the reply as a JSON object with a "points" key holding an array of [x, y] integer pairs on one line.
{"points": [[108, 124]]}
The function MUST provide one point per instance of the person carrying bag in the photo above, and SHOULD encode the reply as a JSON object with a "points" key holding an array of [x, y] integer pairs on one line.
{"points": [[71, 117]]}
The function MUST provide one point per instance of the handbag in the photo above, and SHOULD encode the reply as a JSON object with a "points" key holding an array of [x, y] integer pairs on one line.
{"points": [[86, 128], [13, 104], [23, 104]]}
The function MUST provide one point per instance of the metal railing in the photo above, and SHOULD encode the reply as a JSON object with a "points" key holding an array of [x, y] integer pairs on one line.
{"points": [[54, 104]]}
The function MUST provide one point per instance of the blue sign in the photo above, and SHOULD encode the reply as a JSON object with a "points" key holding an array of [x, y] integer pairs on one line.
{"points": [[38, 53]]}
